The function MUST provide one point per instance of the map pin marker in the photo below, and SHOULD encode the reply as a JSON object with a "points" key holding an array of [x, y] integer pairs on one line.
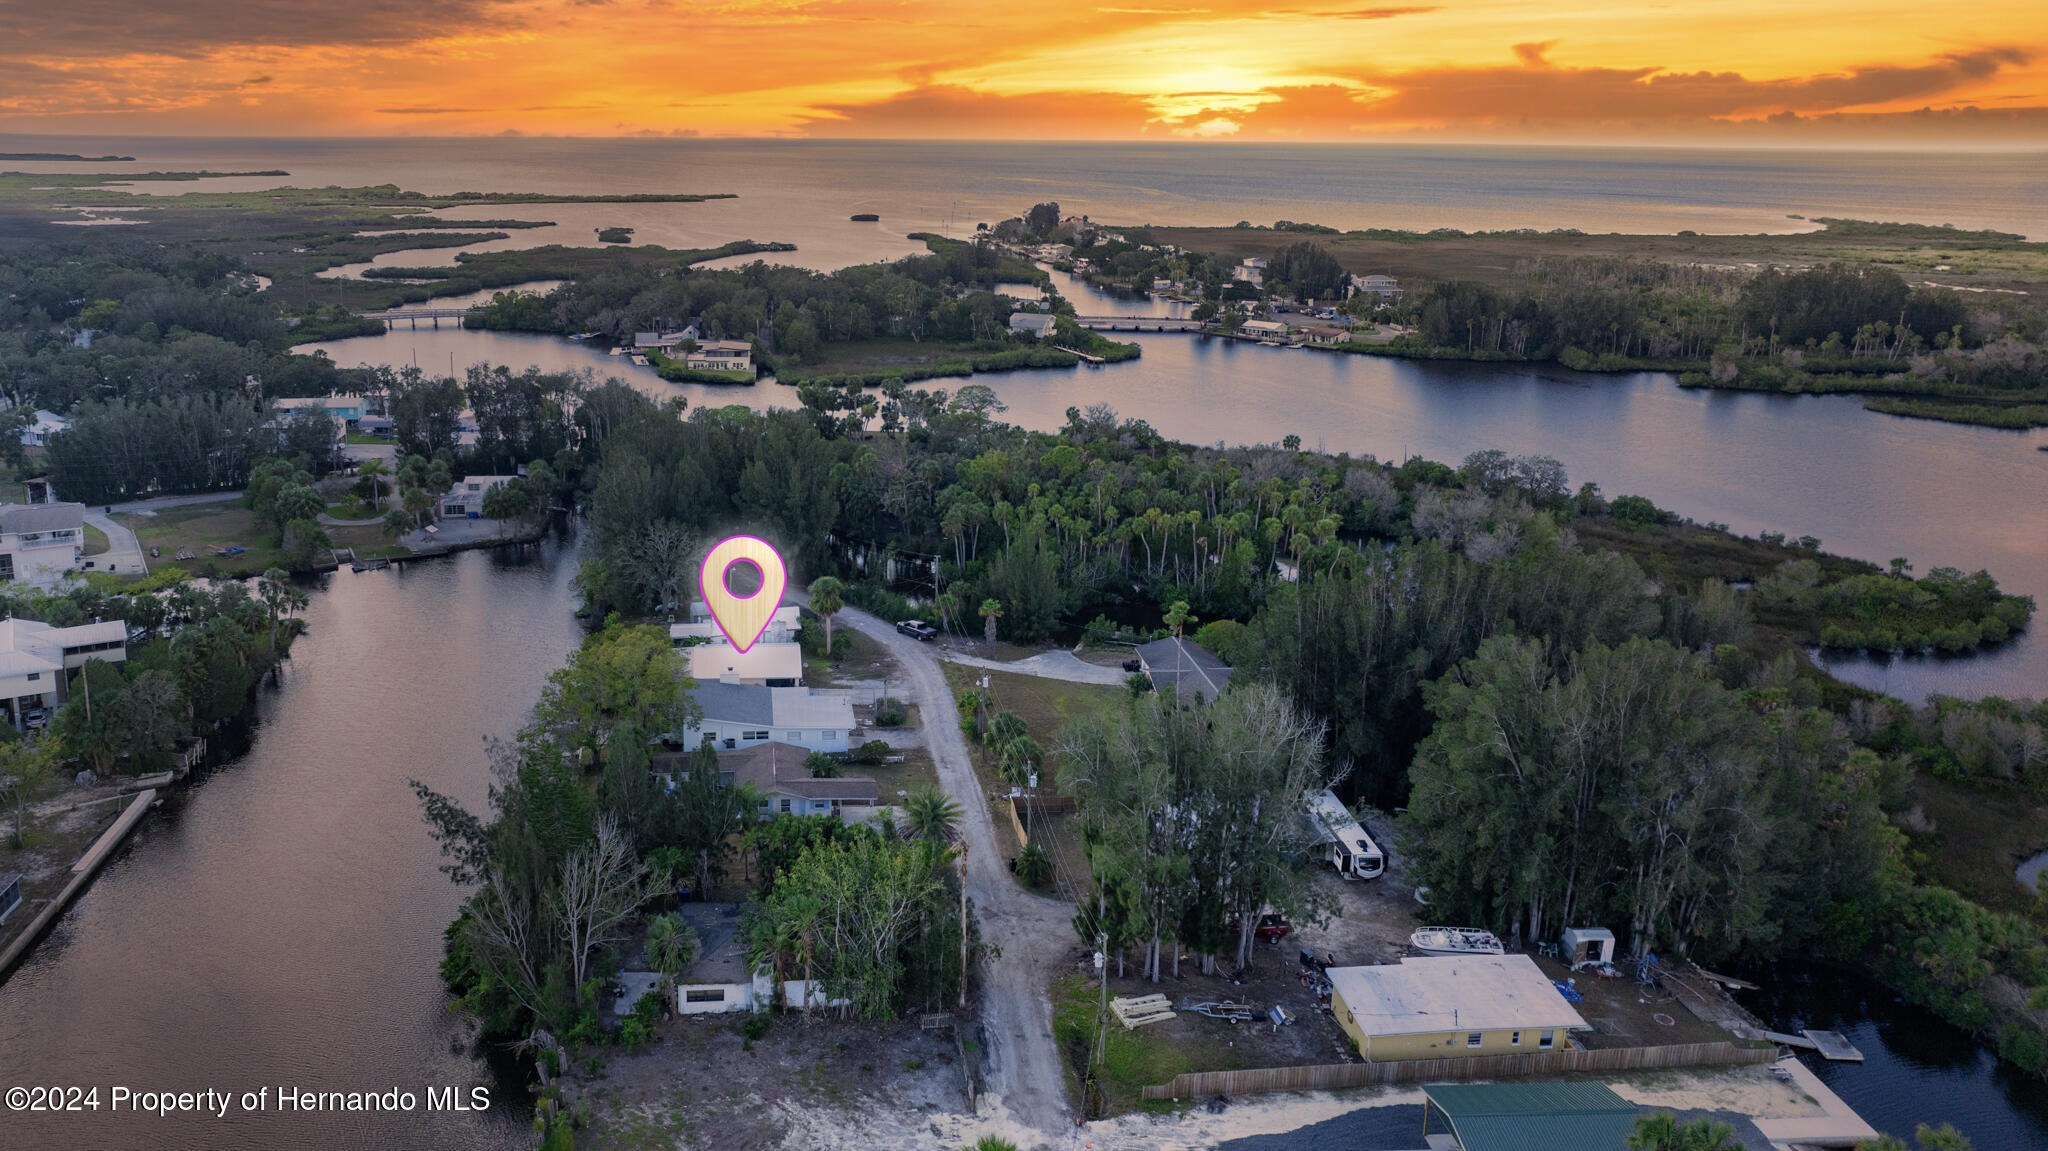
{"points": [[742, 618]]}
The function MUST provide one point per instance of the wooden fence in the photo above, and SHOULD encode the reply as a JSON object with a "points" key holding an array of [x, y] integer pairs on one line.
{"points": [[1328, 1076], [1042, 805]]}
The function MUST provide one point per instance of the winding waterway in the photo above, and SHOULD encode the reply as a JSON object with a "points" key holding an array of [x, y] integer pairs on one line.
{"points": [[279, 923], [1867, 485]]}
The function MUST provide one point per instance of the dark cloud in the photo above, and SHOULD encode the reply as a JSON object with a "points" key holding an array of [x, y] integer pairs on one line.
{"points": [[88, 28], [1598, 94], [1533, 52]]}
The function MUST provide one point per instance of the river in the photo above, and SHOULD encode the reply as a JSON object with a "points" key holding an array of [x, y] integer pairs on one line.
{"points": [[1866, 485], [279, 923]]}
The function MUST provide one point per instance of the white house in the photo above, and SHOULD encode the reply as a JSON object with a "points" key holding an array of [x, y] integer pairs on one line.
{"points": [[738, 715], [1385, 287], [1040, 324], [1264, 329], [721, 356], [38, 432], [34, 658], [1252, 270], [40, 542], [775, 660], [466, 498]]}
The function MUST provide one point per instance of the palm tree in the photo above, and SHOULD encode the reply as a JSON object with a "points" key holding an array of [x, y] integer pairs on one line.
{"points": [[1178, 617], [828, 595], [1017, 758], [948, 606], [671, 947], [375, 471], [280, 597], [931, 814], [991, 611]]}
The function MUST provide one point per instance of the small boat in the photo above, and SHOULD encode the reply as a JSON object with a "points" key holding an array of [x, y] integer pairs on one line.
{"points": [[641, 361], [618, 351], [1456, 941]]}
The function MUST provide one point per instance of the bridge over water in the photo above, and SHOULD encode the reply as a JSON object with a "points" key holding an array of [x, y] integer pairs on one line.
{"points": [[1139, 324], [391, 316]]}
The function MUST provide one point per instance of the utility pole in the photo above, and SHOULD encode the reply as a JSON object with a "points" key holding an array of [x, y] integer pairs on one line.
{"points": [[1102, 1012], [962, 864]]}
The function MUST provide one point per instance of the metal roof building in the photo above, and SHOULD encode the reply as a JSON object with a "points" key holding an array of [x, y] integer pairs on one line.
{"points": [[1530, 1116]]}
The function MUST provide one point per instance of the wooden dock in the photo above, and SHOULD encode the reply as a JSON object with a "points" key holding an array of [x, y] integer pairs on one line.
{"points": [[1091, 361], [1830, 1044], [1838, 1126]]}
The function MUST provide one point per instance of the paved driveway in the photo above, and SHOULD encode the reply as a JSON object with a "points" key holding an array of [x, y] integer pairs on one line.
{"points": [[124, 552]]}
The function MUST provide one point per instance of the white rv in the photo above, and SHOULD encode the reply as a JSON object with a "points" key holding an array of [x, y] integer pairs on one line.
{"points": [[1342, 841]]}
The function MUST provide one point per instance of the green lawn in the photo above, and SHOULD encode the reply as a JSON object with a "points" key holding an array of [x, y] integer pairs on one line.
{"points": [[95, 541], [1132, 1060], [366, 438]]}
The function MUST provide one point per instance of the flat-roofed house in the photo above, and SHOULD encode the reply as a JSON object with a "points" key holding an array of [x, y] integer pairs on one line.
{"points": [[1446, 1006], [40, 542], [775, 660], [35, 660], [1040, 324], [720, 356]]}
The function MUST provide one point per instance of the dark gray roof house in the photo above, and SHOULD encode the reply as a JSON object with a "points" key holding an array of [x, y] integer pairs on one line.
{"points": [[1187, 667]]}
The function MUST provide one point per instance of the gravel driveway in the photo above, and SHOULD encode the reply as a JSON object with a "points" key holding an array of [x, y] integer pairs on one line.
{"points": [[1025, 1075]]}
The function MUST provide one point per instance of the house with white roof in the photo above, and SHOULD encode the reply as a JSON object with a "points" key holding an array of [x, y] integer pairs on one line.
{"points": [[1040, 324], [466, 498], [1252, 270], [1385, 287], [38, 431], [35, 659], [40, 542], [720, 356], [1447, 1006], [775, 660], [741, 715]]}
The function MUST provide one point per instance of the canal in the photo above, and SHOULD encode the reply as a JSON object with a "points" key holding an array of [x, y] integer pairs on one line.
{"points": [[279, 923]]}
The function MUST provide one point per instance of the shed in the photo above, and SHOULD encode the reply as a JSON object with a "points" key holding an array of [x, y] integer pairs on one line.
{"points": [[1586, 946], [1530, 1116]]}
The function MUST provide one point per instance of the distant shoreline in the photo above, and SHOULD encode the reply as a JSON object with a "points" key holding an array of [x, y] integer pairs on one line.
{"points": [[66, 157]]}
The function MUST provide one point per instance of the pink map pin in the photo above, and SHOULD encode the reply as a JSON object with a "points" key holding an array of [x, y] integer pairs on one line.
{"points": [[742, 618]]}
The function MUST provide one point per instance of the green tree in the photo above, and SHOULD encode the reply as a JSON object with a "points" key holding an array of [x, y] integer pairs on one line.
{"points": [[1178, 617], [991, 611], [930, 813], [24, 767], [672, 946], [828, 596]]}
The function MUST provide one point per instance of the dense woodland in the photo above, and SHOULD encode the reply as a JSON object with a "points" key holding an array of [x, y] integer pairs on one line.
{"points": [[1804, 325], [1662, 755]]}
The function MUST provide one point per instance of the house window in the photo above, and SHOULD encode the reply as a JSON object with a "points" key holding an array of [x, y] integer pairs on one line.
{"points": [[831, 737], [35, 675], [1545, 1040], [704, 995], [785, 807], [1515, 1040], [794, 737], [753, 735], [1473, 1040]]}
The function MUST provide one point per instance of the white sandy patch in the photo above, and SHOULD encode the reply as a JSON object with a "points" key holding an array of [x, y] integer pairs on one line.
{"points": [[1747, 1090]]}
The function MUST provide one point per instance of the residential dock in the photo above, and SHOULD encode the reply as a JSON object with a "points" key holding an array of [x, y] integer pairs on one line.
{"points": [[1840, 1127]]}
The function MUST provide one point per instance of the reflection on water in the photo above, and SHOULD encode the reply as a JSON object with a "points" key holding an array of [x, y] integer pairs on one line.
{"points": [[280, 922], [1916, 1069]]}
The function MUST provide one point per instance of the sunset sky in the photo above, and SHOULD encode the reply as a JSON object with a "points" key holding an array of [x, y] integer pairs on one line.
{"points": [[1863, 72]]}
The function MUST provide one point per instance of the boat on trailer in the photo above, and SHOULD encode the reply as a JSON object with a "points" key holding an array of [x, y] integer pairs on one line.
{"points": [[1456, 941]]}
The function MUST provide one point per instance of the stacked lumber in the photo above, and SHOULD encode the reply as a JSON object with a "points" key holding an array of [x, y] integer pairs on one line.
{"points": [[1137, 1012]]}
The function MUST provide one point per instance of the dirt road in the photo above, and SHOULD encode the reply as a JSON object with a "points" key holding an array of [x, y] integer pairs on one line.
{"points": [[1025, 1076]]}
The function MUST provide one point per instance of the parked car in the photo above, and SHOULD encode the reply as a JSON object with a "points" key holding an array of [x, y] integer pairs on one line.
{"points": [[34, 718], [1271, 928], [918, 629]]}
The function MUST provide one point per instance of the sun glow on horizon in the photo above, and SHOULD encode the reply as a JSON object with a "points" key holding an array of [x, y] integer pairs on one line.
{"points": [[1484, 69]]}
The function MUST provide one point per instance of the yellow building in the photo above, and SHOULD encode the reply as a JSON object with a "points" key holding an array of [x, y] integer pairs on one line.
{"points": [[1448, 1006]]}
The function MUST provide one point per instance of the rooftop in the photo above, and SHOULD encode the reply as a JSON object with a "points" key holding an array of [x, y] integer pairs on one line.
{"points": [[1186, 666], [777, 768], [21, 519], [1437, 993], [1534, 1116], [775, 706]]}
